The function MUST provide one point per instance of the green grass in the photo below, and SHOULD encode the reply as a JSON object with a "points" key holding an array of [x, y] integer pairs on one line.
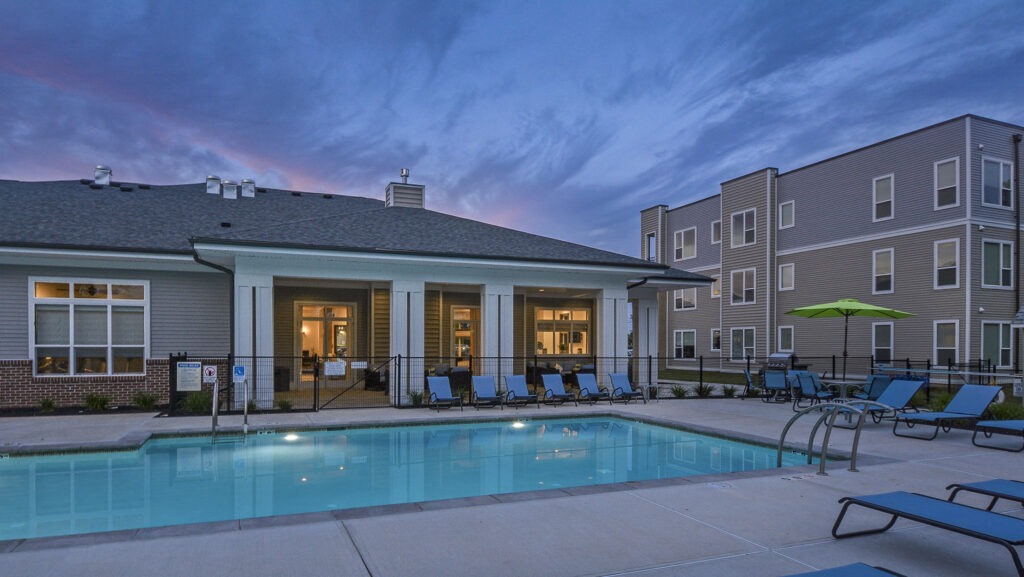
{"points": [[709, 376]]}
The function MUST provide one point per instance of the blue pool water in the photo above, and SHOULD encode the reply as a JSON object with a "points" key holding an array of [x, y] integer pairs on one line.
{"points": [[172, 481]]}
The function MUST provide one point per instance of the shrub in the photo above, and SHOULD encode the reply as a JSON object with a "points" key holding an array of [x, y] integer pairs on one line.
{"points": [[1007, 411], [46, 405], [96, 402], [416, 398], [703, 390], [678, 391], [728, 391], [285, 405], [143, 400], [198, 403], [251, 406]]}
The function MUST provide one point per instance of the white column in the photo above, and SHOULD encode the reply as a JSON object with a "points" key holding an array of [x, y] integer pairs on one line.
{"points": [[645, 340], [497, 325], [407, 334], [614, 332], [254, 337]]}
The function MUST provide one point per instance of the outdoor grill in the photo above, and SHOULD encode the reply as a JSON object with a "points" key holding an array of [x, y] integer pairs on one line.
{"points": [[777, 362]]}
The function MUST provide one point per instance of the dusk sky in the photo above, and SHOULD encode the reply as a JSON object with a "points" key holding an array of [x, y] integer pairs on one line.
{"points": [[561, 118]]}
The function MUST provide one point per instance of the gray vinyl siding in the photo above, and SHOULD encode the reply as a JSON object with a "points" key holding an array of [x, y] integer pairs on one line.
{"points": [[187, 311], [834, 199], [998, 145], [381, 329], [652, 220], [999, 304], [700, 320], [698, 215]]}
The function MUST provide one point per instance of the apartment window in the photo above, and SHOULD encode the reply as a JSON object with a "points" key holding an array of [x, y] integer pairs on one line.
{"points": [[881, 271], [563, 331], [686, 243], [742, 343], [881, 342], [947, 187], [88, 327], [716, 232], [946, 337], [883, 198], [786, 339], [947, 263], [786, 215], [743, 286], [716, 340], [996, 178], [652, 247], [685, 344], [786, 277], [996, 344], [744, 229], [685, 299], [716, 287], [997, 264]]}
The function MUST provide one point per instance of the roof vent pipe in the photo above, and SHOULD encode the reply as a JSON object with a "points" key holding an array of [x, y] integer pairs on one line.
{"points": [[102, 175], [230, 189], [213, 184], [405, 175], [248, 188]]}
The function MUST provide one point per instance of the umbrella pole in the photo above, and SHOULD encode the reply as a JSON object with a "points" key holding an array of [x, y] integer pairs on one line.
{"points": [[846, 333]]}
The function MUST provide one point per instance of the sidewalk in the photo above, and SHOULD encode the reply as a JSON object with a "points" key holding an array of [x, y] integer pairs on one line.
{"points": [[765, 525]]}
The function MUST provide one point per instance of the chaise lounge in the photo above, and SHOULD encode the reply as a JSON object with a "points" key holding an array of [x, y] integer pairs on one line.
{"points": [[622, 389], [441, 394], [517, 393], [995, 488], [554, 390], [589, 391], [1006, 427], [485, 392], [854, 570], [969, 403]]}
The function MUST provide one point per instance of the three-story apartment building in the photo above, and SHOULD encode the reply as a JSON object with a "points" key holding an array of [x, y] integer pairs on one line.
{"points": [[927, 222]]}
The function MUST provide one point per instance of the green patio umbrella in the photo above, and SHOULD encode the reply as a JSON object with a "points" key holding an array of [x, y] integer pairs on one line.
{"points": [[847, 308]]}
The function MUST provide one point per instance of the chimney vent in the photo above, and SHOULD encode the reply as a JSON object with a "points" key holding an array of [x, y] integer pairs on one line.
{"points": [[248, 188], [404, 194], [102, 175], [213, 184], [230, 189], [405, 175]]}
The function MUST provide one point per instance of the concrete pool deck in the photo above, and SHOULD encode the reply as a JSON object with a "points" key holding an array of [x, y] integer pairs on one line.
{"points": [[765, 525]]}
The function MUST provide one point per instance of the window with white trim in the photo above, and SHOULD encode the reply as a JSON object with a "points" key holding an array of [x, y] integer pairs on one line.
{"points": [[686, 243], [716, 232], [743, 286], [996, 264], [786, 277], [947, 263], [742, 343], [716, 287], [563, 331], [787, 216], [744, 228], [947, 183], [88, 326], [882, 271], [716, 340], [786, 339], [997, 176], [997, 344], [946, 339], [685, 299], [685, 344], [883, 198], [881, 342], [652, 247]]}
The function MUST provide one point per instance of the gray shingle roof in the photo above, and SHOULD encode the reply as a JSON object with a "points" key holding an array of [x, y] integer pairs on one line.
{"points": [[163, 219]]}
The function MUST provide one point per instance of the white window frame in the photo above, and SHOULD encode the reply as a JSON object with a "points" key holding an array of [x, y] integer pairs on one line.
{"points": [[892, 341], [892, 197], [71, 302], [716, 286], [712, 346], [679, 299], [752, 346], [679, 344], [716, 232], [1003, 245], [747, 226], [875, 274], [935, 182], [1002, 164], [1006, 348], [680, 252], [651, 242], [792, 214], [782, 276], [780, 340], [956, 339], [753, 288], [935, 263]]}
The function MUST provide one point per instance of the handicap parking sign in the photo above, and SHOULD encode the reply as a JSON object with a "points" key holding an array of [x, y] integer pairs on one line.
{"points": [[238, 373]]}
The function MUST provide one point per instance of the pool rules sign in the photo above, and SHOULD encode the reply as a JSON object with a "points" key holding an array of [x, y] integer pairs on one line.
{"points": [[190, 376]]}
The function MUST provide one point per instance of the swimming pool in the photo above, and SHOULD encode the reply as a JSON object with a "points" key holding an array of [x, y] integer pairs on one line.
{"points": [[180, 480]]}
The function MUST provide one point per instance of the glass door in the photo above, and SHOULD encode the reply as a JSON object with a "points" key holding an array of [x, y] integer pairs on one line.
{"points": [[325, 330], [465, 335]]}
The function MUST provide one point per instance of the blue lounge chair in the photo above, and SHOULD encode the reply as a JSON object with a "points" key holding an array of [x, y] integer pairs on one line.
{"points": [[854, 570], [896, 399], [808, 389], [441, 394], [589, 391], [967, 405], [873, 388], [1007, 427], [517, 393], [554, 390], [485, 392], [992, 527], [748, 386], [622, 389], [775, 387], [995, 488]]}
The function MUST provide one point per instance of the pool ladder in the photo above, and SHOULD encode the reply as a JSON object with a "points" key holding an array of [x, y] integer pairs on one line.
{"points": [[232, 437], [834, 409]]}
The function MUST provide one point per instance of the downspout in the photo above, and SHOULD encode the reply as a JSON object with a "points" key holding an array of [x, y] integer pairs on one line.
{"points": [[1016, 245], [231, 296]]}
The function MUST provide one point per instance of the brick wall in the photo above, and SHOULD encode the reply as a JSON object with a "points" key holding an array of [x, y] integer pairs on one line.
{"points": [[19, 389]]}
